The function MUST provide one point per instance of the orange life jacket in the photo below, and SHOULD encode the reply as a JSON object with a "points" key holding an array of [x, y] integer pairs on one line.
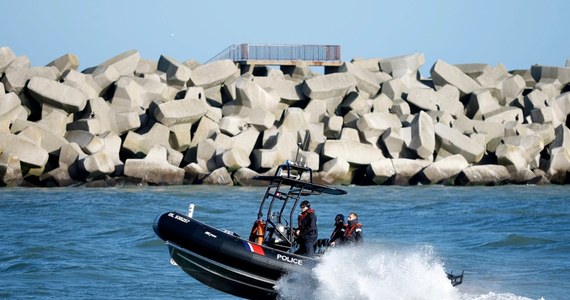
{"points": [[257, 232]]}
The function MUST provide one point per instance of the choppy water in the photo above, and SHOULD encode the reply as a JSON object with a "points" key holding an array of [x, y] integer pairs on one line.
{"points": [[513, 242]]}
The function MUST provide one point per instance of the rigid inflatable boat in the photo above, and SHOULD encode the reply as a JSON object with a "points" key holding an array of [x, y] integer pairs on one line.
{"points": [[251, 267]]}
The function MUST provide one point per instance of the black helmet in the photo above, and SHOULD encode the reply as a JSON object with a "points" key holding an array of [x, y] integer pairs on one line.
{"points": [[305, 203], [339, 217]]}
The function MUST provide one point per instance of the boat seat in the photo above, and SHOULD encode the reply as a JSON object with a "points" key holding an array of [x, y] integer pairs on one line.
{"points": [[321, 246]]}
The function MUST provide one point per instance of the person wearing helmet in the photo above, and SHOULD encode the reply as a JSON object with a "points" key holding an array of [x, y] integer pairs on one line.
{"points": [[337, 236], [307, 232]]}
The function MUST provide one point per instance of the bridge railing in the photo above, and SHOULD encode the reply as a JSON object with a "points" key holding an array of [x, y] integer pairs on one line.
{"points": [[273, 52]]}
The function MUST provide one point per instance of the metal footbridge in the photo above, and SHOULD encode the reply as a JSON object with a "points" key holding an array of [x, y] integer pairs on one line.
{"points": [[281, 55]]}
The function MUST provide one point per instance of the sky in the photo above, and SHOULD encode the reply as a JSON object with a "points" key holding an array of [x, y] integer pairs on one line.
{"points": [[516, 33]]}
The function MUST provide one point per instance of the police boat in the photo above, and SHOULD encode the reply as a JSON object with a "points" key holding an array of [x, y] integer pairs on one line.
{"points": [[249, 268]]}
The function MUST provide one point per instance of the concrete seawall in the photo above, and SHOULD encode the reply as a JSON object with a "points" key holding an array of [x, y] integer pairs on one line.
{"points": [[376, 121]]}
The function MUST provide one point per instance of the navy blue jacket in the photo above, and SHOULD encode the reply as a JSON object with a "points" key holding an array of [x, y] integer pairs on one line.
{"points": [[308, 226]]}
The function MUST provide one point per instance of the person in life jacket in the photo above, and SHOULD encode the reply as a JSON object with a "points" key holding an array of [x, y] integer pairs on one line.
{"points": [[337, 236], [307, 231], [353, 233]]}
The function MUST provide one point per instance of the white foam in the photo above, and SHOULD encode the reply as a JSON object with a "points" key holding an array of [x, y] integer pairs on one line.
{"points": [[495, 296], [372, 272], [377, 272]]}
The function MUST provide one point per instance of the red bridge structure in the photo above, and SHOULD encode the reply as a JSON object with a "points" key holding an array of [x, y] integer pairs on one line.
{"points": [[250, 56]]}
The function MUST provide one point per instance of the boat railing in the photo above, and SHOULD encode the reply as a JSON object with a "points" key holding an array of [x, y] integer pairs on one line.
{"points": [[283, 193]]}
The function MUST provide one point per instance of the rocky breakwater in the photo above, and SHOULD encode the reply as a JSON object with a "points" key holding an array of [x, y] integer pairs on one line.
{"points": [[375, 121]]}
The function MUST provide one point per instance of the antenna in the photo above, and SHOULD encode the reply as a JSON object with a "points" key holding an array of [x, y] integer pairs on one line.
{"points": [[303, 146]]}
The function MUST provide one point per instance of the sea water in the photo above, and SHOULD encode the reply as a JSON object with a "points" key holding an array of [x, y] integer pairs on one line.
{"points": [[513, 242]]}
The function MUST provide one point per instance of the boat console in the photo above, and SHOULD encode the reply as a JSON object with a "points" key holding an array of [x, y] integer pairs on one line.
{"points": [[284, 191]]}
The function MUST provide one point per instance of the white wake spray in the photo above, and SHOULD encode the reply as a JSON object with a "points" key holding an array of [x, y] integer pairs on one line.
{"points": [[372, 272], [376, 272]]}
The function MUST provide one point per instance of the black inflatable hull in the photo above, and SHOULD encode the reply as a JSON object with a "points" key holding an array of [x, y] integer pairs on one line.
{"points": [[223, 261], [222, 277]]}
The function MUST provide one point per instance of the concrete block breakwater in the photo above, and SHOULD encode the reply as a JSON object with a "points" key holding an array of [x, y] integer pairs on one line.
{"points": [[373, 121]]}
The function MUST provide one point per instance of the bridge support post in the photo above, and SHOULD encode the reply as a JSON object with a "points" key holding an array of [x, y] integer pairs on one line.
{"points": [[256, 70], [245, 68], [331, 69]]}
